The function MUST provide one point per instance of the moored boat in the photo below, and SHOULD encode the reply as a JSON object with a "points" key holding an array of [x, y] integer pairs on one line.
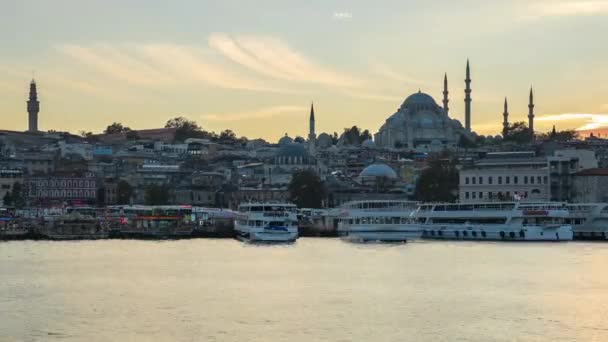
{"points": [[378, 220], [267, 222]]}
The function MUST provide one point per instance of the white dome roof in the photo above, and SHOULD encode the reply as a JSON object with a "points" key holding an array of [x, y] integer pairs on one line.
{"points": [[379, 170]]}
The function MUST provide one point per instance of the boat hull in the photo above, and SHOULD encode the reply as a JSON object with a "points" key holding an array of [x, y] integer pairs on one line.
{"points": [[398, 233], [261, 235], [497, 233]]}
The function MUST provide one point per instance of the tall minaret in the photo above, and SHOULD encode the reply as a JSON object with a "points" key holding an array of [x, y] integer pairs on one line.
{"points": [[445, 94], [467, 100], [505, 122], [33, 107], [312, 136], [531, 113]]}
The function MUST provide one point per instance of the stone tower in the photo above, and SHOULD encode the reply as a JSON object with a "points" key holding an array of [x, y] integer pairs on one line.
{"points": [[33, 107], [312, 136], [505, 122], [445, 94], [531, 113], [467, 99]]}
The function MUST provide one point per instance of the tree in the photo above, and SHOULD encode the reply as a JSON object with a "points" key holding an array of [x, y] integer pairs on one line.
{"points": [[185, 128], [519, 133], [16, 198], [116, 127], [306, 189], [124, 192], [157, 195], [560, 136], [7, 200], [439, 182], [334, 138]]}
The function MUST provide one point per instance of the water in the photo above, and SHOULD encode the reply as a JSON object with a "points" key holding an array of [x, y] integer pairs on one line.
{"points": [[314, 290]]}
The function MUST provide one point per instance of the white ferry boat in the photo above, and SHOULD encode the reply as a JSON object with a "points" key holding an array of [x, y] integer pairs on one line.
{"points": [[503, 221], [267, 222], [589, 220], [380, 220]]}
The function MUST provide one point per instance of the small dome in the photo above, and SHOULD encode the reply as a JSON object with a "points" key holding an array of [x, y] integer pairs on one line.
{"points": [[378, 170], [368, 143], [292, 150], [324, 140], [285, 140]]}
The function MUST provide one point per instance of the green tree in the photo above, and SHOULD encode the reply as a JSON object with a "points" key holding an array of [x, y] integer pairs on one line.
{"points": [[519, 133], [132, 135], [16, 197], [185, 128], [7, 199], [157, 195], [560, 136], [124, 192], [116, 127], [439, 182], [306, 189]]}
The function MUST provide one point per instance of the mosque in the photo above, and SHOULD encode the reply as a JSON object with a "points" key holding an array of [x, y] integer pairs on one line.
{"points": [[421, 125]]}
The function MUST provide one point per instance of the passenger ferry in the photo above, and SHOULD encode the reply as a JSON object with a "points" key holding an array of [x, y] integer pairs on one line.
{"points": [[267, 222], [589, 220], [379, 220], [503, 221]]}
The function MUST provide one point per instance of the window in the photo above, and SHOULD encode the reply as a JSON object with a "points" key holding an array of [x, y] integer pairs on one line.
{"points": [[525, 179], [480, 195], [473, 179], [490, 179], [545, 178], [539, 180], [480, 180], [531, 179], [499, 179], [466, 195], [466, 180], [508, 180], [474, 194], [515, 179]]}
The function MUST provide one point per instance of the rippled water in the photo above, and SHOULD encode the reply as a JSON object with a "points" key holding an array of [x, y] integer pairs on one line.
{"points": [[314, 290]]}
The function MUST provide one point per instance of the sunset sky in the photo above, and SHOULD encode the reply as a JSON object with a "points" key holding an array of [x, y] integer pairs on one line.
{"points": [[255, 66]]}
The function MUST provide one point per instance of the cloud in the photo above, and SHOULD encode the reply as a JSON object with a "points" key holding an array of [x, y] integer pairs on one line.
{"points": [[342, 15], [386, 72], [272, 57], [255, 114], [591, 121], [566, 8]]}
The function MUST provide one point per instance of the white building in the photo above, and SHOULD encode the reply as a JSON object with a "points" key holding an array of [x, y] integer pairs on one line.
{"points": [[505, 176]]}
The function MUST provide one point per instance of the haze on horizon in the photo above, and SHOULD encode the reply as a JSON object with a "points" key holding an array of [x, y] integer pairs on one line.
{"points": [[256, 67]]}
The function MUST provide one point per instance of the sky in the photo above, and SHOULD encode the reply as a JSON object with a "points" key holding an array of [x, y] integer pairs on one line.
{"points": [[256, 66]]}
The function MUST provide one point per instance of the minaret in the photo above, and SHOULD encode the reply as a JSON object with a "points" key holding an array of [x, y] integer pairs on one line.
{"points": [[467, 100], [312, 136], [33, 107], [531, 113], [445, 94], [505, 122]]}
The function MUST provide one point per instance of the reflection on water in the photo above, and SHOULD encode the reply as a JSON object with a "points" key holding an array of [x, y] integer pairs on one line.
{"points": [[313, 290]]}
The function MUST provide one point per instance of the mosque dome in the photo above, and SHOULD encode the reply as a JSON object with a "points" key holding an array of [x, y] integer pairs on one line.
{"points": [[285, 140], [292, 150], [378, 170], [419, 99], [324, 141], [368, 143]]}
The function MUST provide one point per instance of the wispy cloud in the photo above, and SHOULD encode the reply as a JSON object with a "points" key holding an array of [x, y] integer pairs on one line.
{"points": [[255, 114], [590, 121], [387, 73], [565, 8], [272, 57]]}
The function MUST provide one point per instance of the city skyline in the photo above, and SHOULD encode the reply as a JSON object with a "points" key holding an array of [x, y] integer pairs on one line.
{"points": [[240, 67]]}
